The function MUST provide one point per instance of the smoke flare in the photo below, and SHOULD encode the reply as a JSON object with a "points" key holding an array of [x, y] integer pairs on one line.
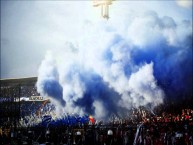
{"points": [[107, 71]]}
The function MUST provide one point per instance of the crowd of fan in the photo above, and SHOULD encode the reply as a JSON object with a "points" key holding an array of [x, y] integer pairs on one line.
{"points": [[154, 130], [147, 116], [27, 91], [35, 107], [10, 96], [140, 127]]}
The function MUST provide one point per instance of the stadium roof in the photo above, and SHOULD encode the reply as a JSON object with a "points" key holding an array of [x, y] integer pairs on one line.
{"points": [[19, 81]]}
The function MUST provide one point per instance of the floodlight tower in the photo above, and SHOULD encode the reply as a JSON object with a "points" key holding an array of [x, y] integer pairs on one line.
{"points": [[104, 7]]}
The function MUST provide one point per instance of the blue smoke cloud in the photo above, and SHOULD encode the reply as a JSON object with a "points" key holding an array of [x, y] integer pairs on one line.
{"points": [[53, 89], [48, 84], [113, 73], [97, 89], [172, 67]]}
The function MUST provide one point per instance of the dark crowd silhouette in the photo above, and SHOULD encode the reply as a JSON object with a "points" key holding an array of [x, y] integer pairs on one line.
{"points": [[166, 129]]}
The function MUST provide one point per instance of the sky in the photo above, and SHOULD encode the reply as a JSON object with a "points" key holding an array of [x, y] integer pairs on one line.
{"points": [[30, 28], [140, 56]]}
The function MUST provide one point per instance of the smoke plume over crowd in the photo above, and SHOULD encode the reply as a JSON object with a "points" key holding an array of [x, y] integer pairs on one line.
{"points": [[111, 68]]}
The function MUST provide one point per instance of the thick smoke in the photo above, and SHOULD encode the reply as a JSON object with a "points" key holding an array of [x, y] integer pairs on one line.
{"points": [[108, 71], [47, 83]]}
